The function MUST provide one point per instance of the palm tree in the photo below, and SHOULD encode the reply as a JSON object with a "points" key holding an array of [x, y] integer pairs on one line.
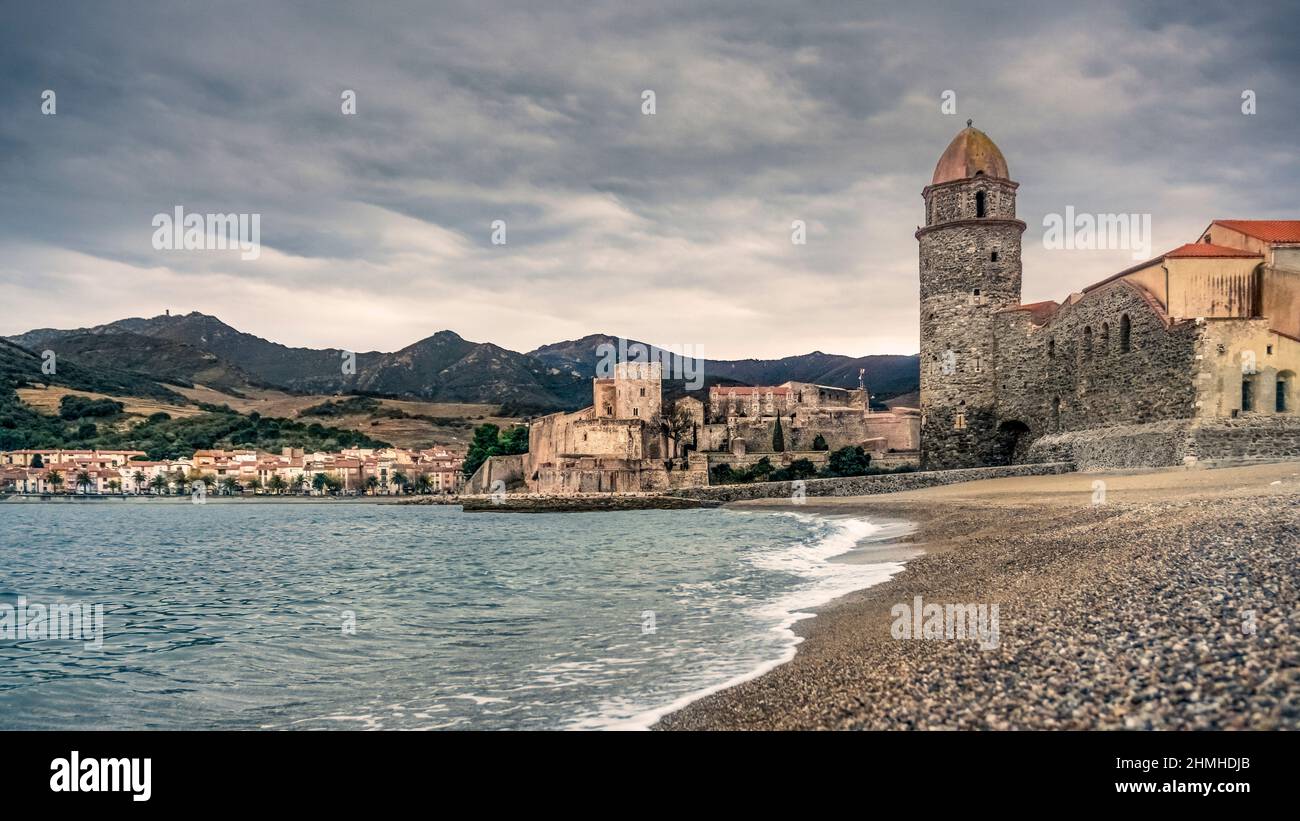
{"points": [[229, 485], [139, 479], [83, 481], [277, 484], [55, 478], [422, 483], [401, 481], [158, 483], [299, 483], [372, 484], [319, 482], [255, 484], [178, 479], [114, 485]]}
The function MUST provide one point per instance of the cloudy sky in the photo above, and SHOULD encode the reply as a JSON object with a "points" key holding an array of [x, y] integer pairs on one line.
{"points": [[672, 228]]}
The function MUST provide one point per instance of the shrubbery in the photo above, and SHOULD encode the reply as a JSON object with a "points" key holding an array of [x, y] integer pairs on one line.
{"points": [[489, 441], [850, 461], [75, 406]]}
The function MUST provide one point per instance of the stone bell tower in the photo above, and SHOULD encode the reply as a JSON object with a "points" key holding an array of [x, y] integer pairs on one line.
{"points": [[970, 269]]}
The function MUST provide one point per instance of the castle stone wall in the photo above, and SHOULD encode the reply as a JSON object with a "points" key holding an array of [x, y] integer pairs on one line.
{"points": [[870, 485]]}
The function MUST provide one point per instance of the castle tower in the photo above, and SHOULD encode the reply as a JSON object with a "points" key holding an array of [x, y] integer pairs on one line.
{"points": [[970, 269], [638, 390]]}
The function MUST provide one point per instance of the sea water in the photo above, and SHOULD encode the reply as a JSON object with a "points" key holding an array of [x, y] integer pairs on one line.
{"points": [[311, 616]]}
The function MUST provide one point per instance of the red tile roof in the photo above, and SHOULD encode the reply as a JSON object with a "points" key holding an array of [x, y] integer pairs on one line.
{"points": [[1038, 311], [1205, 249], [1267, 230]]}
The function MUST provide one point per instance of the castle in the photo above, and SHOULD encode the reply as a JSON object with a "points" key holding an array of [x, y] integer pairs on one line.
{"points": [[626, 442], [1190, 355]]}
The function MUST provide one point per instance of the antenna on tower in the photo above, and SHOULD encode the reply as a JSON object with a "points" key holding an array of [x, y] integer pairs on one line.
{"points": [[968, 123]]}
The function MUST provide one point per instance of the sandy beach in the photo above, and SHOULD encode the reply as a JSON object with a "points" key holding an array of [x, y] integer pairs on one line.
{"points": [[1165, 600]]}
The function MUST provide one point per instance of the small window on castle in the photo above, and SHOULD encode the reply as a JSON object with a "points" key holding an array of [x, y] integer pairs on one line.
{"points": [[1247, 394], [1105, 338], [1270, 350], [1051, 348], [976, 298], [959, 422], [979, 367], [1087, 342], [636, 411], [1125, 334], [979, 204], [993, 257], [643, 391]]}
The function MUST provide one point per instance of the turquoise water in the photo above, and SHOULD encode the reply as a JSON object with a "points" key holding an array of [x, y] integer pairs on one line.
{"points": [[233, 616]]}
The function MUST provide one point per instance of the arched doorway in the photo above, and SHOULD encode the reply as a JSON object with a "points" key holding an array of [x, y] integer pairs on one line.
{"points": [[1013, 442]]}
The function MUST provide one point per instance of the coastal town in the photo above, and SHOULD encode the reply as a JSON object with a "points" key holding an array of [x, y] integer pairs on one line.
{"points": [[349, 472]]}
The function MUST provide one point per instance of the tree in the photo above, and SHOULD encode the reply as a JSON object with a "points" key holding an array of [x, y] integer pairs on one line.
{"points": [[277, 484], [372, 484], [513, 442], [158, 483], [819, 443], [255, 484], [849, 461], [422, 483], [401, 481], [681, 424], [319, 482], [485, 443], [778, 438], [114, 485], [37, 461], [83, 481], [229, 485], [798, 469], [722, 475], [55, 478], [138, 479]]}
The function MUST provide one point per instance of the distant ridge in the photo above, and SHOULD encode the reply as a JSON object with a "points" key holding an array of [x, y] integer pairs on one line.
{"points": [[443, 367]]}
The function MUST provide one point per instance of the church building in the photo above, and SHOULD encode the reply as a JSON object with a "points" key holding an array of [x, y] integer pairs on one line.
{"points": [[1191, 355]]}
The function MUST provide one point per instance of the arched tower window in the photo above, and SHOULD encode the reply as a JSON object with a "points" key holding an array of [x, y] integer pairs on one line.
{"points": [[1087, 342], [979, 203], [1125, 334], [1105, 338], [1247, 394]]}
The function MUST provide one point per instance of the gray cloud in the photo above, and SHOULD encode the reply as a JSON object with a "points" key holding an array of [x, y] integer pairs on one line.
{"points": [[673, 228]]}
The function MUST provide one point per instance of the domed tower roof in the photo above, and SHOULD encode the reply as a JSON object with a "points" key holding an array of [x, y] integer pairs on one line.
{"points": [[971, 153]]}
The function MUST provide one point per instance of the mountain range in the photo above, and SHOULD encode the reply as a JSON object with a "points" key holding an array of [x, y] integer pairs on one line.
{"points": [[197, 348]]}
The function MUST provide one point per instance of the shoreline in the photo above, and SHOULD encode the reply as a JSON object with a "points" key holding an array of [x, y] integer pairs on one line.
{"points": [[888, 531], [1121, 615]]}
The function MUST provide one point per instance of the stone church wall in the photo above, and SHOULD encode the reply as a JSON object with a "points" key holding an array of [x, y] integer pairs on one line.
{"points": [[1072, 373]]}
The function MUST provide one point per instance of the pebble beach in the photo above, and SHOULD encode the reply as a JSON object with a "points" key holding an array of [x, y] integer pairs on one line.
{"points": [[1160, 599]]}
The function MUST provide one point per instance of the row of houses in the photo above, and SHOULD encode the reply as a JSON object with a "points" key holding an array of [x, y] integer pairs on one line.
{"points": [[351, 471]]}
